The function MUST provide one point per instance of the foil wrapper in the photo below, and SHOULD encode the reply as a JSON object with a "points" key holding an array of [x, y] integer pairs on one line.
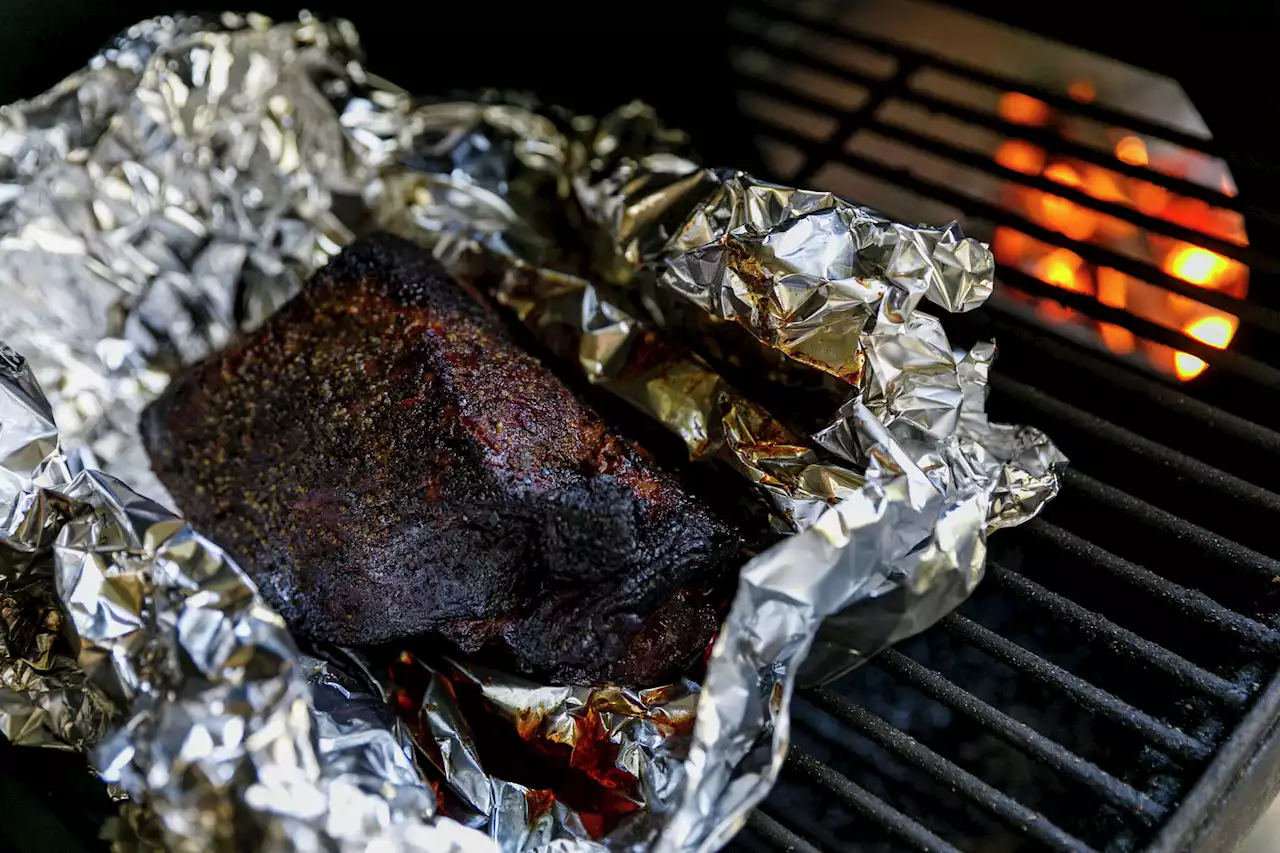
{"points": [[615, 753], [176, 190], [228, 735]]}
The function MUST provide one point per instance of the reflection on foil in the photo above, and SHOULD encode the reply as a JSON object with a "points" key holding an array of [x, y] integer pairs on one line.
{"points": [[174, 193], [603, 752], [227, 735]]}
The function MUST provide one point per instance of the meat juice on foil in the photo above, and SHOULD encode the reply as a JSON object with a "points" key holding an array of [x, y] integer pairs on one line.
{"points": [[176, 190]]}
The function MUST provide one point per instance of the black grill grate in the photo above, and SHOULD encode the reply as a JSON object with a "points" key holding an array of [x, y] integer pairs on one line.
{"points": [[1113, 685]]}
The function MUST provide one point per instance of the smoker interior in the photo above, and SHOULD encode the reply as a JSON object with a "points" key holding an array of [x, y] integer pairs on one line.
{"points": [[1114, 684], [1111, 686]]}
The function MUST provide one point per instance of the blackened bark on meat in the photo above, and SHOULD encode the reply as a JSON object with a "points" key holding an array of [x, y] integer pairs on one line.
{"points": [[386, 462]]}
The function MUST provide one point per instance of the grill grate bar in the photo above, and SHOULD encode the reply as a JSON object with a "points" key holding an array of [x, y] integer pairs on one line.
{"points": [[1166, 738], [1053, 143], [947, 772], [1246, 254], [1095, 111], [1018, 734], [1228, 359], [1081, 358], [1250, 312], [1226, 550], [860, 125], [1189, 467], [1118, 639], [777, 835], [1193, 602], [867, 804], [1038, 136], [1247, 311], [851, 120]]}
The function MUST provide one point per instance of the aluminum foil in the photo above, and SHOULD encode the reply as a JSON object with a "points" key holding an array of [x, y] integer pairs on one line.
{"points": [[227, 734], [672, 384], [175, 191], [615, 750]]}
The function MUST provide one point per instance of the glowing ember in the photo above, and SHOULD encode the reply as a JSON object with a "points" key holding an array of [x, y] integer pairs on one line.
{"points": [[1149, 198], [1023, 109], [1082, 90], [1063, 174], [1132, 150], [1020, 156], [1063, 216], [1113, 287], [1117, 338], [1198, 265], [1065, 269], [1105, 185], [1187, 366], [1216, 331], [1008, 243]]}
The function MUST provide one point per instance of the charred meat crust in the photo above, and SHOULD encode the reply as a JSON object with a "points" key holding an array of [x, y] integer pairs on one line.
{"points": [[386, 462]]}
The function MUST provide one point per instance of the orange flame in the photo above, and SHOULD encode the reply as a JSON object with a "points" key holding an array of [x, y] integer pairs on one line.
{"points": [[1064, 269], [1198, 265], [1132, 150], [1064, 216], [1023, 109], [1020, 156], [1082, 90], [1118, 339], [1067, 270], [1216, 330]]}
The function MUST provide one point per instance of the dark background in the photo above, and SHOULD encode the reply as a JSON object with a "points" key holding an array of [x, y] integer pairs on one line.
{"points": [[592, 57]]}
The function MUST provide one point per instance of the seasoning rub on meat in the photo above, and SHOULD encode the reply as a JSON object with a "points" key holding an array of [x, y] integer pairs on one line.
{"points": [[386, 462]]}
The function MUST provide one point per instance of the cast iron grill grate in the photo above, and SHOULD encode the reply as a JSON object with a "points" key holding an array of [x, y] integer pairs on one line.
{"points": [[1114, 683]]}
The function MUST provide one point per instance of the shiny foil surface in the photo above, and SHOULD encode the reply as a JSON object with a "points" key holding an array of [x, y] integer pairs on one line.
{"points": [[192, 693], [177, 190]]}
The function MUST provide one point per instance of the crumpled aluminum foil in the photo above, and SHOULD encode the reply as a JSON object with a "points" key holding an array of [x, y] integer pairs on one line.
{"points": [[624, 745], [176, 191]]}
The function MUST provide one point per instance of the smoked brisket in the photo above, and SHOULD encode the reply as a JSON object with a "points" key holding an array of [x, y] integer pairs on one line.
{"points": [[386, 462]]}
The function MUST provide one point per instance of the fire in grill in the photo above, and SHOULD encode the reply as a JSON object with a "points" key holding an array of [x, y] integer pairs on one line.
{"points": [[1113, 683]]}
